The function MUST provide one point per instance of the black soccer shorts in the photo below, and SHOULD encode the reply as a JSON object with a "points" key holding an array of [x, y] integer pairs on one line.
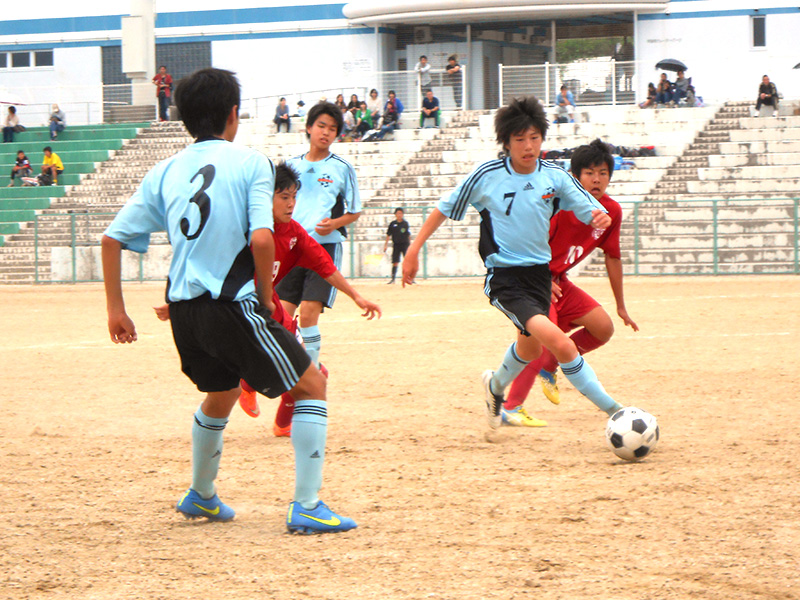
{"points": [[304, 284], [520, 292]]}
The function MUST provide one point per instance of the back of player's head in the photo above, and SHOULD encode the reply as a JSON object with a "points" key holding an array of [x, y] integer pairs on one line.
{"points": [[285, 177], [517, 117], [591, 155], [325, 108], [205, 99]]}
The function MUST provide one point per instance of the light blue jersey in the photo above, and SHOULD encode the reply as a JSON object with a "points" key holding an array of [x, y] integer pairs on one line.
{"points": [[516, 209], [209, 198], [328, 190]]}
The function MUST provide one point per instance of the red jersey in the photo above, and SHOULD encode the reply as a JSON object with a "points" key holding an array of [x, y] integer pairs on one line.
{"points": [[571, 240], [294, 247]]}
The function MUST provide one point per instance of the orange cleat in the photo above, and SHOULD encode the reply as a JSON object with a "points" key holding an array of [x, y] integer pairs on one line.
{"points": [[249, 403], [282, 431]]}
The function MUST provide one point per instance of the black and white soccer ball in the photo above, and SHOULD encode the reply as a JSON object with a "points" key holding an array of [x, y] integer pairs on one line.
{"points": [[632, 433]]}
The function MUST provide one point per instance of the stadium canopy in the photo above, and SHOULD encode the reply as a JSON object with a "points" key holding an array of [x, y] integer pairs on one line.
{"points": [[369, 12]]}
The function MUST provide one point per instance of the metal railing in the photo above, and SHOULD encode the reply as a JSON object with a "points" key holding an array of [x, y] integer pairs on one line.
{"points": [[693, 237]]}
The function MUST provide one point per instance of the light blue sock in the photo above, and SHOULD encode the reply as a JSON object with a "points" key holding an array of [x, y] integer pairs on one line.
{"points": [[309, 432], [508, 370], [312, 340], [206, 452], [582, 376]]}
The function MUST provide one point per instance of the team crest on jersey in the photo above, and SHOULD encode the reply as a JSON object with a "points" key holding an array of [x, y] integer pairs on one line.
{"points": [[549, 194], [292, 243], [325, 180]]}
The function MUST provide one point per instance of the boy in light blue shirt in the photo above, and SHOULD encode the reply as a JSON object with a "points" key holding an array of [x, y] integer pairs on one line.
{"points": [[516, 196], [215, 201]]}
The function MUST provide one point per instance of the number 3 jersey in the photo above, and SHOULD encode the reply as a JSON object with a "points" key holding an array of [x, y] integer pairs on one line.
{"points": [[516, 209], [571, 241], [209, 198]]}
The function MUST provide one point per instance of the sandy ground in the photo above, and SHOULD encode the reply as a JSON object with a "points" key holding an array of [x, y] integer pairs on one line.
{"points": [[95, 453]]}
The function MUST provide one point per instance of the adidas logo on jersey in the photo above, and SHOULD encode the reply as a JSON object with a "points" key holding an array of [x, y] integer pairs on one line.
{"points": [[527, 187]]}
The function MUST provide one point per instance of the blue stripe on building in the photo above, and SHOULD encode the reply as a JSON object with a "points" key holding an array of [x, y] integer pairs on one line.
{"points": [[706, 14]]}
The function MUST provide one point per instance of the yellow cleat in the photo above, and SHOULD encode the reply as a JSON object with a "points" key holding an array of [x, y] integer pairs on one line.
{"points": [[519, 417], [550, 386]]}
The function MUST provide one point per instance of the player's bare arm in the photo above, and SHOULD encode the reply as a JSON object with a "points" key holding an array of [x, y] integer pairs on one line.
{"points": [[120, 325], [614, 270], [327, 225], [263, 248], [411, 260], [371, 310]]}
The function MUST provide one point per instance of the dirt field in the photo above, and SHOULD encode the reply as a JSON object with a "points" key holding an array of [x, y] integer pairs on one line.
{"points": [[96, 451]]}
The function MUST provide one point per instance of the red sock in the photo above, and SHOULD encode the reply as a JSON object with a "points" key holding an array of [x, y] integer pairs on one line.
{"points": [[245, 387], [283, 418], [519, 388], [548, 361], [585, 341]]}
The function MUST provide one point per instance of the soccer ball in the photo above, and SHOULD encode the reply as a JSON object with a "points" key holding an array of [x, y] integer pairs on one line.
{"points": [[632, 433]]}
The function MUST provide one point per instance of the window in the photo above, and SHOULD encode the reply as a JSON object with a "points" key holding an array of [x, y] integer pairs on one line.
{"points": [[3, 60], [20, 59], [43, 58], [759, 31]]}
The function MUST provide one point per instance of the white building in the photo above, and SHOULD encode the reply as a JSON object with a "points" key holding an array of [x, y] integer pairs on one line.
{"points": [[305, 50]]}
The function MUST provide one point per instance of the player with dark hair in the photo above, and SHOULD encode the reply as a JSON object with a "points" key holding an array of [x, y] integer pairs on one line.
{"points": [[398, 232], [570, 242], [516, 196], [327, 202], [294, 247], [214, 199]]}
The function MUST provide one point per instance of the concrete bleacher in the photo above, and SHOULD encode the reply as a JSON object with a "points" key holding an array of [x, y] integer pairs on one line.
{"points": [[81, 149]]}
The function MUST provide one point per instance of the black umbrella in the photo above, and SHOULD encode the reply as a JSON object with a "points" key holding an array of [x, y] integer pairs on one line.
{"points": [[671, 64]]}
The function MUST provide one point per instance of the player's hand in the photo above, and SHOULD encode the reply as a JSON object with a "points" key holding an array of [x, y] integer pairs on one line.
{"points": [[623, 314], [325, 227], [370, 308], [600, 219], [410, 268], [121, 328], [555, 292], [162, 312]]}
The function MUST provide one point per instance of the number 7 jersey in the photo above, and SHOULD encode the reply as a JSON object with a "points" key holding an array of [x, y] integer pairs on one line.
{"points": [[209, 198], [516, 209]]}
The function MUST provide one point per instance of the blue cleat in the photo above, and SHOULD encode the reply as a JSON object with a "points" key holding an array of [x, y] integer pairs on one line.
{"points": [[193, 506], [317, 520]]}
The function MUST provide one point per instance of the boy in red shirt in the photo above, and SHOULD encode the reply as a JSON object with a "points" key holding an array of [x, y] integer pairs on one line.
{"points": [[570, 242], [293, 247]]}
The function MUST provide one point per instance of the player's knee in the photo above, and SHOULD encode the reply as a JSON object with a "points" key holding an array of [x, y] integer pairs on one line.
{"points": [[604, 332], [309, 313], [312, 386]]}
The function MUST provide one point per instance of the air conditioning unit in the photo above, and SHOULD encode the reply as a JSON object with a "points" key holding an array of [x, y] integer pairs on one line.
{"points": [[422, 34]]}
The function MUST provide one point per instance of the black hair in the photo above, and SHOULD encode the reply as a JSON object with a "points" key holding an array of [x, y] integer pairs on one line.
{"points": [[421, 57], [399, 209], [47, 149], [282, 98], [205, 99], [285, 177], [162, 66], [392, 92], [21, 152], [12, 110], [591, 155], [563, 87], [373, 90], [520, 115], [325, 108], [452, 57]]}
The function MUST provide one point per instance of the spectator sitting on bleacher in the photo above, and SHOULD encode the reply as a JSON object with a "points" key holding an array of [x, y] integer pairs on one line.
{"points": [[348, 124], [340, 103], [430, 109], [22, 168], [664, 90], [374, 105], [565, 106], [363, 120], [57, 122], [282, 116], [52, 165], [388, 121], [353, 105], [767, 96], [393, 105], [681, 87], [651, 96], [12, 125], [301, 108]]}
